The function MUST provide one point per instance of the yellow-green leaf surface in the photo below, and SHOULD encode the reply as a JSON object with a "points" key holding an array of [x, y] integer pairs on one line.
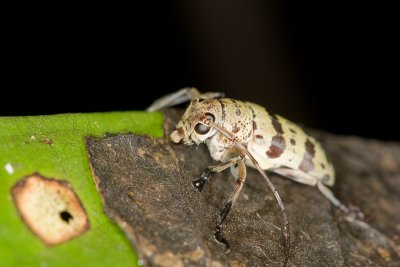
{"points": [[54, 147]]}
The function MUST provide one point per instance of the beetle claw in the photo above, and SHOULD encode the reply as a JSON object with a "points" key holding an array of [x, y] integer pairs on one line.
{"points": [[218, 236], [201, 182]]}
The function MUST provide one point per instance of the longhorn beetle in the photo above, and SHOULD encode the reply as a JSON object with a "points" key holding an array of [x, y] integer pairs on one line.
{"points": [[241, 133]]}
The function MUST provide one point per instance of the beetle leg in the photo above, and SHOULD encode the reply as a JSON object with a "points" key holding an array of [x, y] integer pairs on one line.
{"points": [[204, 177], [331, 197], [305, 178], [296, 175], [240, 174], [179, 97], [176, 98]]}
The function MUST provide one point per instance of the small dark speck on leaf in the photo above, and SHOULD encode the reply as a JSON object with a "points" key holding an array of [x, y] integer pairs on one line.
{"points": [[66, 216]]}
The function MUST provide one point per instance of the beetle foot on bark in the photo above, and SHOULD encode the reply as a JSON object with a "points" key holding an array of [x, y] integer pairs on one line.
{"points": [[201, 182]]}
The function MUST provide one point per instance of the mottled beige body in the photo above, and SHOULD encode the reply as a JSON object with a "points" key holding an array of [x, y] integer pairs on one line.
{"points": [[273, 141]]}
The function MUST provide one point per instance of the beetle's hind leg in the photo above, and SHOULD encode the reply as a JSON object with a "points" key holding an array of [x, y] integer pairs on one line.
{"points": [[239, 172], [331, 197], [305, 178]]}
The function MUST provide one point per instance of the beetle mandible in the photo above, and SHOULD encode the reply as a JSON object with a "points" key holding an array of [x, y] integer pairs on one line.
{"points": [[242, 133]]}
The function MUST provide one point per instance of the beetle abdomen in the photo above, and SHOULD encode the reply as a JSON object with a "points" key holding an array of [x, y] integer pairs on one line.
{"points": [[278, 142]]}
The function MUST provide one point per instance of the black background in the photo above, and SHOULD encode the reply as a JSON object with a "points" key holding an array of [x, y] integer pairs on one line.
{"points": [[327, 65]]}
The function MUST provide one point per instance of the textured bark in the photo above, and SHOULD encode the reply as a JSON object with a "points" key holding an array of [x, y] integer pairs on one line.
{"points": [[146, 188]]}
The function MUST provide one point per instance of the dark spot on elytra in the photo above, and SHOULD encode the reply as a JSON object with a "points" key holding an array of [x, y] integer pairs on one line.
{"points": [[292, 141], [307, 164], [249, 134], [292, 130], [323, 166], [259, 136], [238, 113], [277, 147], [310, 148], [254, 125], [235, 129], [277, 125]]}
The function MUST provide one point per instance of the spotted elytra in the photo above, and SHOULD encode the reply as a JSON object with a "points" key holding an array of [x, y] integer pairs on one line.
{"points": [[241, 133]]}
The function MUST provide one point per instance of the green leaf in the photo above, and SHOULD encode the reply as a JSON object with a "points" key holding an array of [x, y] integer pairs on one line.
{"points": [[54, 147]]}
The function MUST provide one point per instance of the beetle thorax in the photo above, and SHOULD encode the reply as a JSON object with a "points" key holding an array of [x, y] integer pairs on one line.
{"points": [[237, 119]]}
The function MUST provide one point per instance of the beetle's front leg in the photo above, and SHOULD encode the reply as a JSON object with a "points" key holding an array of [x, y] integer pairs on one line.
{"points": [[239, 172], [204, 177]]}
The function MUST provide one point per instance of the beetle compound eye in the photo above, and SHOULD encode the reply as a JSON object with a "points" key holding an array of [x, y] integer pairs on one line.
{"points": [[201, 128]]}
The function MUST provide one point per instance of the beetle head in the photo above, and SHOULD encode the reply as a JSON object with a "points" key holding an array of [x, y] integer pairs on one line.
{"points": [[194, 124]]}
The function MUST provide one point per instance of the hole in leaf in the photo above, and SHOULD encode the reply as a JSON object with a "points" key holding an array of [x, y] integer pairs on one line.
{"points": [[66, 216], [60, 215]]}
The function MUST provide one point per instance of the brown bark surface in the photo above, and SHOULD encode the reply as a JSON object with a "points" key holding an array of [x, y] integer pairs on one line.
{"points": [[146, 188]]}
